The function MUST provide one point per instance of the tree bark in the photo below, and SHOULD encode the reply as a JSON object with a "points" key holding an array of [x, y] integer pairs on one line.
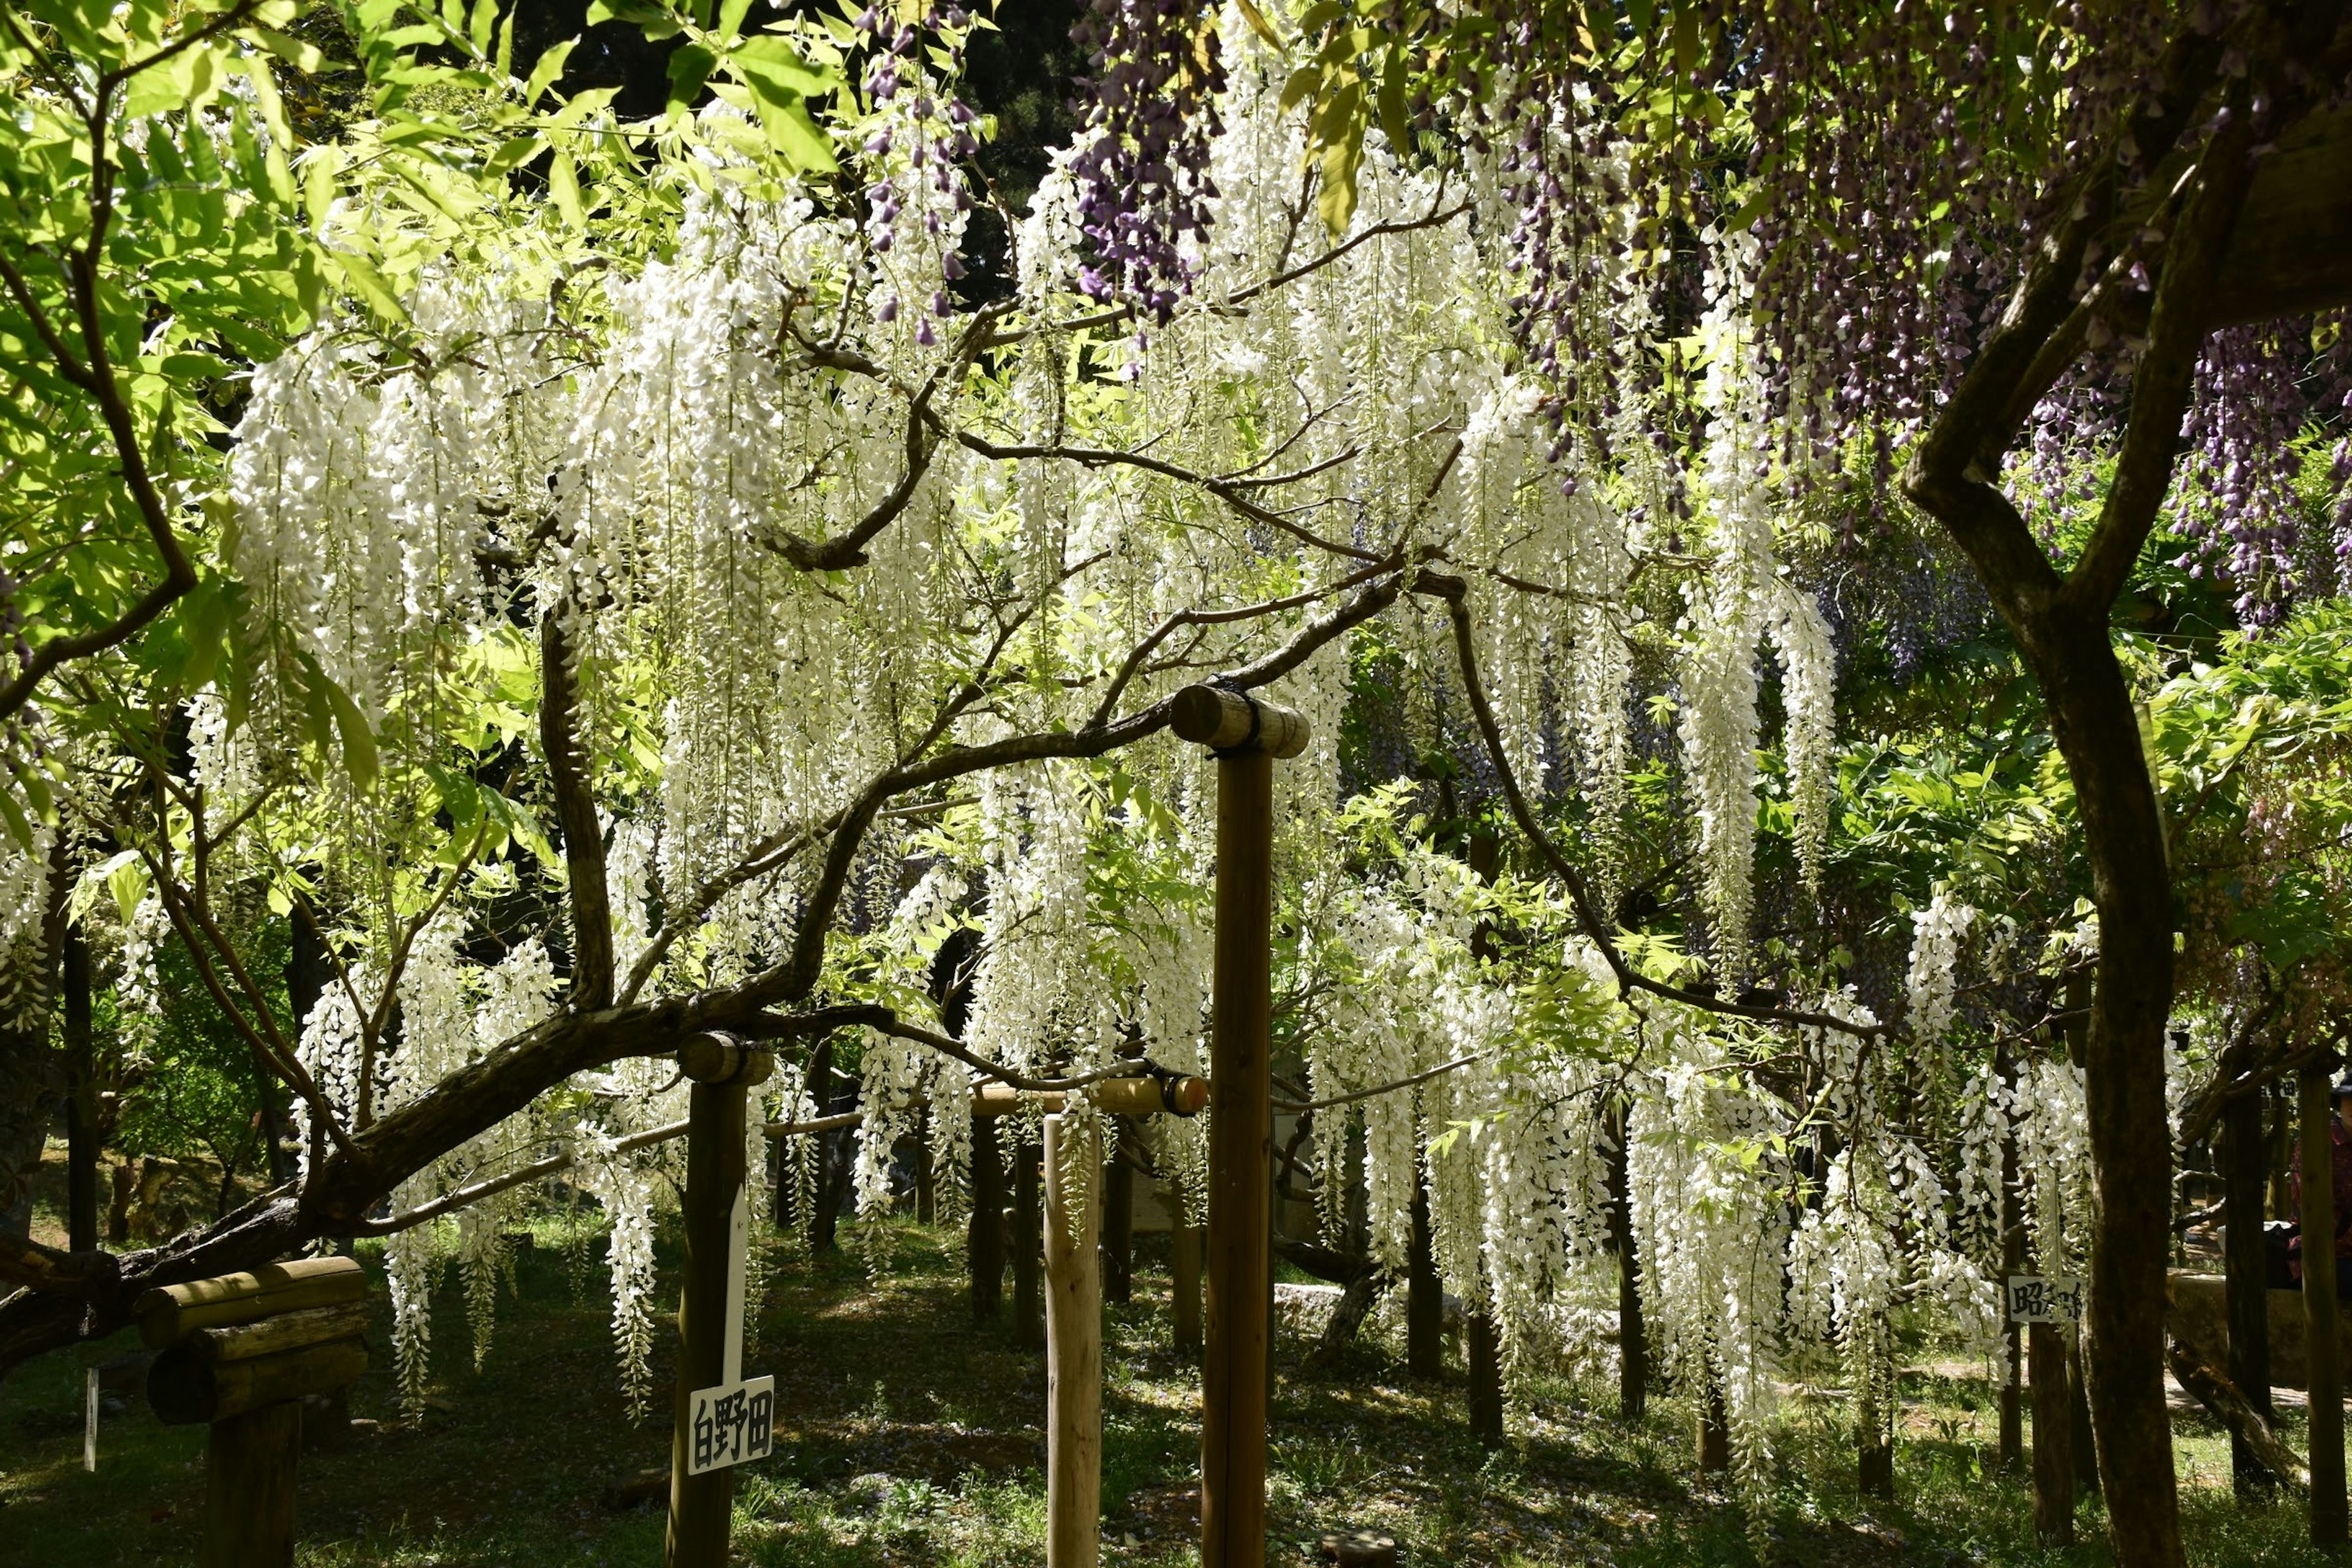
{"points": [[1633, 1333], [32, 1074], [1874, 1447], [2054, 1464], [1485, 1348], [1424, 1303], [2246, 1156], [1713, 1430]]}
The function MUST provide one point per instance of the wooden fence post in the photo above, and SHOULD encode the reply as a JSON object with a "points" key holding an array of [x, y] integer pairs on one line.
{"points": [[240, 1351], [710, 1333], [1073, 1346], [2054, 1430], [1246, 736], [2323, 1374]]}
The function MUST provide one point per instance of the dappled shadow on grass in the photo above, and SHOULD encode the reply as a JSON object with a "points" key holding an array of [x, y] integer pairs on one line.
{"points": [[906, 1435]]}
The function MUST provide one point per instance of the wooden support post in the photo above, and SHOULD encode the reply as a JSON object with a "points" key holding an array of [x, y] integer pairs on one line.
{"points": [[2246, 1154], [1485, 1356], [1028, 1294], [1184, 1268], [1424, 1302], [1118, 1220], [984, 1235], [1246, 735], [723, 1074], [1633, 1333], [1072, 1347], [2054, 1433], [2322, 1372], [250, 1464]]}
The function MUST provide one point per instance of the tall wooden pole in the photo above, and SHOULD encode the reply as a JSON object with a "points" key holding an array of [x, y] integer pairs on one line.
{"points": [[723, 1073], [250, 1467], [2322, 1372], [1072, 1347], [2245, 1155], [1246, 736], [2053, 1435]]}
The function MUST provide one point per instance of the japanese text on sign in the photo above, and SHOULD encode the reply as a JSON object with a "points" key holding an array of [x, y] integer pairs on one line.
{"points": [[731, 1424], [2044, 1299]]}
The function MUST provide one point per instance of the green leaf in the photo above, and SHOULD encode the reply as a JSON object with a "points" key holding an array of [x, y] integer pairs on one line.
{"points": [[359, 741], [689, 68], [126, 880], [564, 185], [304, 57], [368, 284], [771, 63], [544, 74]]}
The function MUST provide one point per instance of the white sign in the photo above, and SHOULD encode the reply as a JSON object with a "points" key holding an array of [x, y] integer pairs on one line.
{"points": [[2046, 1299], [733, 1424]]}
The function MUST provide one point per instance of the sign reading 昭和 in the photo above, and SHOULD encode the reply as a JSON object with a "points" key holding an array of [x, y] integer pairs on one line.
{"points": [[2046, 1299], [731, 1425]]}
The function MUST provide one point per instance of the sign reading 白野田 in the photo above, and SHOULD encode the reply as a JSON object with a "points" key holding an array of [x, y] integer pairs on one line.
{"points": [[2046, 1299], [731, 1424]]}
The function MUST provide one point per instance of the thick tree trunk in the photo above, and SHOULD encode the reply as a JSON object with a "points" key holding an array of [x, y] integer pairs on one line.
{"points": [[2245, 1152], [1485, 1346], [1633, 1333], [984, 1237], [1425, 1305], [2131, 1129]]}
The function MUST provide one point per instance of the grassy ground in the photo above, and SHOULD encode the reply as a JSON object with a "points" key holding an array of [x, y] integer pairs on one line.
{"points": [[907, 1436]]}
